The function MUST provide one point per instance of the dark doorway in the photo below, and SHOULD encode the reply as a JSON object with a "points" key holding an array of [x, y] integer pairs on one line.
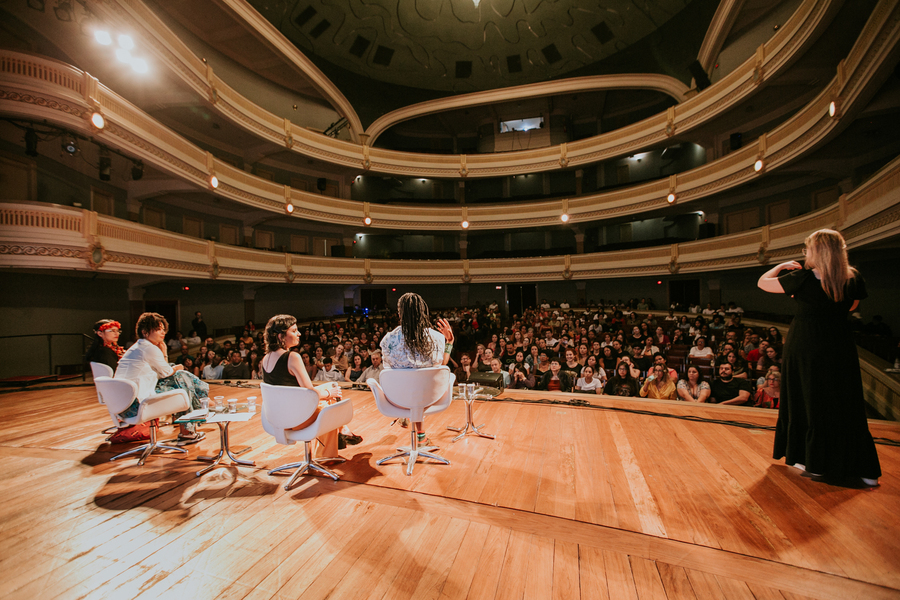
{"points": [[373, 299], [684, 292], [168, 309], [521, 296]]}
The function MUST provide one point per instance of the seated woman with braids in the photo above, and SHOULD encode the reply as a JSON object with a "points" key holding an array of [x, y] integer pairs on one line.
{"points": [[414, 344], [146, 364]]}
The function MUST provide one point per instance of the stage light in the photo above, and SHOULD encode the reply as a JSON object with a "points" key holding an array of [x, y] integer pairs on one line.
{"points": [[139, 65], [125, 42], [31, 140], [69, 144], [137, 170], [123, 55], [289, 208], [564, 218], [213, 181], [105, 166], [98, 121], [465, 224], [103, 38], [758, 165], [670, 198], [367, 221]]}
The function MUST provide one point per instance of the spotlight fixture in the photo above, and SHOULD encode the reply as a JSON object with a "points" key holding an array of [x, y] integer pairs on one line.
{"points": [[564, 217], [213, 181], [833, 109], [137, 170], [670, 198], [31, 140], [69, 144], [98, 121], [125, 42], [758, 165], [103, 38], [465, 224], [289, 208], [105, 166], [123, 55], [139, 65], [367, 221]]}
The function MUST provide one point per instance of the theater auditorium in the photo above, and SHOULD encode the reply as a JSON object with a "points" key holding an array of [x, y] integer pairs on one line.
{"points": [[585, 193]]}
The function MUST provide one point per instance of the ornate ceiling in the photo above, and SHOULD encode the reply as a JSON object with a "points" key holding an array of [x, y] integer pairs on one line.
{"points": [[469, 45]]}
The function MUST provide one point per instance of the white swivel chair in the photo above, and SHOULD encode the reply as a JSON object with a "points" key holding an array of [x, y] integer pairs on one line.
{"points": [[118, 394], [285, 407], [412, 394], [103, 370]]}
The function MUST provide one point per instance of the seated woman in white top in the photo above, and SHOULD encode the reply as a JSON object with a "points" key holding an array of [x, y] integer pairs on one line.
{"points": [[415, 344], [146, 365], [701, 350], [587, 382]]}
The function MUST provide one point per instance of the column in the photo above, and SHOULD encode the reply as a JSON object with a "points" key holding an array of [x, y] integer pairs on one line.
{"points": [[463, 246], [579, 177], [579, 240], [248, 236]]}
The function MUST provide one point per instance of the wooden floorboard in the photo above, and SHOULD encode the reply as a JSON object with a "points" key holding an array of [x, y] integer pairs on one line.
{"points": [[568, 502]]}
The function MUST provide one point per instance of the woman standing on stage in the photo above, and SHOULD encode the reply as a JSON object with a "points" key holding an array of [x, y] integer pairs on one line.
{"points": [[822, 426]]}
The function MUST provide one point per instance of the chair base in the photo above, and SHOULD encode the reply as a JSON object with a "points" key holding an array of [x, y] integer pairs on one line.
{"points": [[414, 452], [307, 465], [148, 448]]}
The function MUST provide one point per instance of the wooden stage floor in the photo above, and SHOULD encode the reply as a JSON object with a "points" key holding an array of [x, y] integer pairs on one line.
{"points": [[569, 502]]}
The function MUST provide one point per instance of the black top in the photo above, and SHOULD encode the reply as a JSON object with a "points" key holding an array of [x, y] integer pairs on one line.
{"points": [[722, 391], [103, 354], [280, 374]]}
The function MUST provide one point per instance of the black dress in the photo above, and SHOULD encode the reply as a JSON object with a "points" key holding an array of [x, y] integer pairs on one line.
{"points": [[822, 416], [279, 375]]}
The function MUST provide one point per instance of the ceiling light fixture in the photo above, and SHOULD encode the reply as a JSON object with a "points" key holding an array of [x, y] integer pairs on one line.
{"points": [[465, 224], [758, 165], [670, 198], [367, 221], [213, 181], [69, 144], [289, 208], [564, 218], [102, 37], [98, 121], [125, 42], [139, 65], [123, 55]]}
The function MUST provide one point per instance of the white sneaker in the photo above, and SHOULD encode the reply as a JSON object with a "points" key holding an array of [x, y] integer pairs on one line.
{"points": [[870, 482], [799, 466]]}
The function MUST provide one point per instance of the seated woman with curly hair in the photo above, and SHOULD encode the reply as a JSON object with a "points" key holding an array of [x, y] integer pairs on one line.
{"points": [[146, 364]]}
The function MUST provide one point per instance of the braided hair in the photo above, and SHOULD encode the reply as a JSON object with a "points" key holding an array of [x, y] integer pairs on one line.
{"points": [[414, 324]]}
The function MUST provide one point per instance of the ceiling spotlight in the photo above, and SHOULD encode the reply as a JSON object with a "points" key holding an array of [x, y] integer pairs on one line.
{"points": [[832, 109], [105, 167], [31, 140], [564, 218], [465, 224], [289, 208], [137, 170], [213, 181], [69, 144], [670, 198], [367, 221], [103, 38], [123, 55], [139, 65], [758, 165], [125, 42], [98, 121]]}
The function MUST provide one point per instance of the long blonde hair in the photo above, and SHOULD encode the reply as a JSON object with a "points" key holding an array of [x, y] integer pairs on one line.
{"points": [[826, 251]]}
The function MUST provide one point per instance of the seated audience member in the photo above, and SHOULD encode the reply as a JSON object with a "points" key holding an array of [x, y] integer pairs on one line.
{"points": [[709, 310], [608, 359], [366, 356], [465, 369], [236, 368], [754, 354], [774, 337], [373, 372], [658, 386], [660, 339], [649, 348], [187, 361], [556, 380], [761, 381], [587, 383], [105, 348], [282, 367], [659, 359], [520, 379], [311, 368], [192, 339], [694, 388], [146, 365], [213, 368], [354, 371], [622, 383], [671, 316], [340, 360], [328, 372], [211, 345], [727, 389], [701, 350], [509, 356], [641, 362], [176, 341], [769, 395], [769, 359], [738, 366], [571, 365], [485, 365], [496, 368], [635, 372], [678, 338], [542, 366]]}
